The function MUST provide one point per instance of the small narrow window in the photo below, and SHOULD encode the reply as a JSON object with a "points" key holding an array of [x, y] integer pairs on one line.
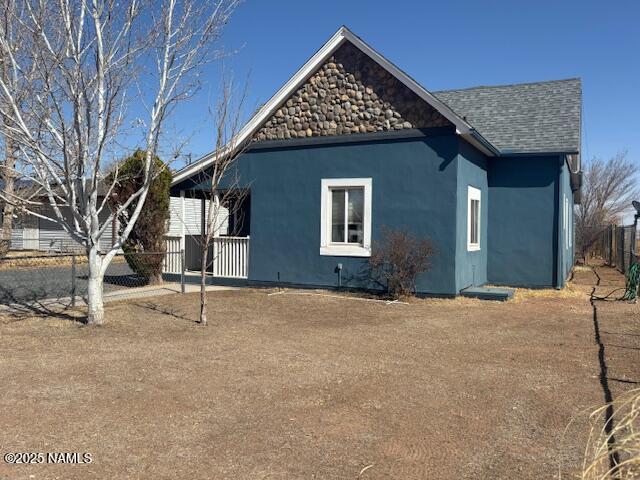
{"points": [[473, 219], [346, 217]]}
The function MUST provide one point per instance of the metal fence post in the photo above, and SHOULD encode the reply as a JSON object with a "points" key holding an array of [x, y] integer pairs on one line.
{"points": [[182, 270], [73, 281]]}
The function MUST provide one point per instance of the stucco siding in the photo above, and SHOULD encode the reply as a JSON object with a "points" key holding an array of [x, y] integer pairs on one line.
{"points": [[523, 221], [413, 187], [471, 266], [565, 226], [420, 184]]}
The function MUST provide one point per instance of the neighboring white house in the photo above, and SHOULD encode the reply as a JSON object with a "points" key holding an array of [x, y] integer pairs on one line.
{"points": [[34, 233], [186, 221]]}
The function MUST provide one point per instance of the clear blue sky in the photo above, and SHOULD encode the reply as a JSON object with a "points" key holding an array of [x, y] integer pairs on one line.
{"points": [[448, 44]]}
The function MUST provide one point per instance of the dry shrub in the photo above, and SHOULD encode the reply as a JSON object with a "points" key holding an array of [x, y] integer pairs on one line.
{"points": [[5, 245], [613, 448], [397, 260]]}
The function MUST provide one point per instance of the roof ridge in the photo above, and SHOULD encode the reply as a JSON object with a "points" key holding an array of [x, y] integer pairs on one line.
{"points": [[541, 82], [339, 38]]}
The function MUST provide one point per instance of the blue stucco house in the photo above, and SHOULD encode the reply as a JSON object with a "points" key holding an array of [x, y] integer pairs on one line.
{"points": [[352, 144]]}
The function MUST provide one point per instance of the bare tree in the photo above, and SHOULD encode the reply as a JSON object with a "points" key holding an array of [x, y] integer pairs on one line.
{"points": [[7, 177], [83, 63], [608, 187], [224, 194]]}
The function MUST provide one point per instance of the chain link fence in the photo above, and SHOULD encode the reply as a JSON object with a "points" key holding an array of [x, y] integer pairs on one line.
{"points": [[27, 278]]}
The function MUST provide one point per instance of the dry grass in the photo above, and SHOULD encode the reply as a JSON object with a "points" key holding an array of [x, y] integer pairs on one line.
{"points": [[33, 259], [585, 268], [312, 386], [22, 253], [568, 292], [51, 315], [613, 449]]}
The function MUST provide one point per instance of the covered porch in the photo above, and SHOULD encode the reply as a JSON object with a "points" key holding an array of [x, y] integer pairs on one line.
{"points": [[227, 250]]}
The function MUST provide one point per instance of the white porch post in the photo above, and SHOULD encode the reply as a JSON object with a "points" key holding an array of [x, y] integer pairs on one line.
{"points": [[216, 233], [182, 218]]}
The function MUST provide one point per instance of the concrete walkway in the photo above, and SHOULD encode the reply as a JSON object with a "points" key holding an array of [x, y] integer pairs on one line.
{"points": [[41, 306], [156, 290]]}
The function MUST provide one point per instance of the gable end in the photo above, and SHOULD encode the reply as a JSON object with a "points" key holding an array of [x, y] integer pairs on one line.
{"points": [[349, 93]]}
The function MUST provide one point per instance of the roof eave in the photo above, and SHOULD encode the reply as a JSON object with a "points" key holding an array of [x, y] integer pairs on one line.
{"points": [[269, 107], [531, 153], [343, 34], [477, 140]]}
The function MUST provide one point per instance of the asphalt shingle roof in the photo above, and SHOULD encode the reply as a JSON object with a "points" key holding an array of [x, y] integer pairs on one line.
{"points": [[523, 118]]}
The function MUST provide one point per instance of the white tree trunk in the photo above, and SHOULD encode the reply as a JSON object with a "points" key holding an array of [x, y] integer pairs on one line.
{"points": [[62, 131], [95, 304]]}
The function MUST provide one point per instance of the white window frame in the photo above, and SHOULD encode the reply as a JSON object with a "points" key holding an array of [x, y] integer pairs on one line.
{"points": [[473, 193], [570, 212], [565, 222], [327, 247]]}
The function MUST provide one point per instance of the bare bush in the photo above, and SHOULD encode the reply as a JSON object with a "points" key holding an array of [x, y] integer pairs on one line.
{"points": [[5, 246], [397, 260]]}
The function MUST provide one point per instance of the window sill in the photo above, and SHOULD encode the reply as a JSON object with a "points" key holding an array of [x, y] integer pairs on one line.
{"points": [[473, 248], [345, 251]]}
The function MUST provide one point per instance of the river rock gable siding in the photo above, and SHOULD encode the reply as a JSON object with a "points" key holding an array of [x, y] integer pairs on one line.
{"points": [[350, 93]]}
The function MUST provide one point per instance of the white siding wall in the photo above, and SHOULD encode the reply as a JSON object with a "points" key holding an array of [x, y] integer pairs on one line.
{"points": [[52, 236], [193, 217], [175, 214], [106, 241], [221, 224], [16, 234]]}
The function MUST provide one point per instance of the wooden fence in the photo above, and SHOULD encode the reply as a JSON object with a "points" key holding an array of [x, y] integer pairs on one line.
{"points": [[618, 244]]}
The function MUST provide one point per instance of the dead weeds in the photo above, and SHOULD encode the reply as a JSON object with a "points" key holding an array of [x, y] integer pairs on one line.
{"points": [[312, 386]]}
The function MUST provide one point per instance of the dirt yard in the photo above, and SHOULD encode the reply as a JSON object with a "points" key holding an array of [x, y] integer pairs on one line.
{"points": [[295, 386]]}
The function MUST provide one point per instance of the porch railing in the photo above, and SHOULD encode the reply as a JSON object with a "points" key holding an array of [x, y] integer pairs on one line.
{"points": [[231, 257], [172, 262]]}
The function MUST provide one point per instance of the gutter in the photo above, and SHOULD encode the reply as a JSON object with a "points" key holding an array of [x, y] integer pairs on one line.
{"points": [[485, 143], [515, 153]]}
